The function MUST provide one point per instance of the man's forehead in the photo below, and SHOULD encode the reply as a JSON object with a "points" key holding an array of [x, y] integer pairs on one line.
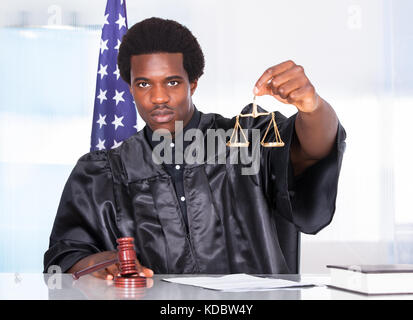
{"points": [[157, 62]]}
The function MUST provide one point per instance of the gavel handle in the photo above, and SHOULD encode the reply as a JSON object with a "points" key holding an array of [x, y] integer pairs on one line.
{"points": [[94, 268]]}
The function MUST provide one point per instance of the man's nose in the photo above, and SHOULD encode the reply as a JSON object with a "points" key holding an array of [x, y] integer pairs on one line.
{"points": [[159, 95]]}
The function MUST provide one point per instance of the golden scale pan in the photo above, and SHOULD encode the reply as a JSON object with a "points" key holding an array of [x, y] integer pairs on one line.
{"points": [[235, 142]]}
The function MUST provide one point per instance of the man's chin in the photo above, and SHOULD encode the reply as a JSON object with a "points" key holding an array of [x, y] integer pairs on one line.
{"points": [[164, 128]]}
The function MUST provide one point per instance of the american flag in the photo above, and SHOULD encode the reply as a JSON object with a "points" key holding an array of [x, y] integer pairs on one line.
{"points": [[114, 116]]}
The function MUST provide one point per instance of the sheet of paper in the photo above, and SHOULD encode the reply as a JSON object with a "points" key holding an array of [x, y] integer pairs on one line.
{"points": [[237, 283]]}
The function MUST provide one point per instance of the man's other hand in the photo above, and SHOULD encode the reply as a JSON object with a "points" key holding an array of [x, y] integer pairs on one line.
{"points": [[109, 272]]}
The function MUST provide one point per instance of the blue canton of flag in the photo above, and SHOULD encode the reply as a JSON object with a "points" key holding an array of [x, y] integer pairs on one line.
{"points": [[114, 116]]}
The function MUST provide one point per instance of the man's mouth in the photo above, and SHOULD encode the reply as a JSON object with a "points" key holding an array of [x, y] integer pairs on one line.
{"points": [[162, 116]]}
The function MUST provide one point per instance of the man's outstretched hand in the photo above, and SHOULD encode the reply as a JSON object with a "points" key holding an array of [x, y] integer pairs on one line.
{"points": [[288, 83], [110, 272], [316, 124]]}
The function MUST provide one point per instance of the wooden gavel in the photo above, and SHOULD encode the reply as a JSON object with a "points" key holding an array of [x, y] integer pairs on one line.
{"points": [[129, 277]]}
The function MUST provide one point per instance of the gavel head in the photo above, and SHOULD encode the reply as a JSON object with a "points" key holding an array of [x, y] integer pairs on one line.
{"points": [[129, 278], [127, 256]]}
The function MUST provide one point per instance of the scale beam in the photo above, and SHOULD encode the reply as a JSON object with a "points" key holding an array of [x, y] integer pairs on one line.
{"points": [[234, 142]]}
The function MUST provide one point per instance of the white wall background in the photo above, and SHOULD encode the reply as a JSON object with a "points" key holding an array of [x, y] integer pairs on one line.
{"points": [[356, 53]]}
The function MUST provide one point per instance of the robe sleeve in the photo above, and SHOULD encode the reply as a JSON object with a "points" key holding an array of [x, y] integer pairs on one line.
{"points": [[85, 222], [308, 200]]}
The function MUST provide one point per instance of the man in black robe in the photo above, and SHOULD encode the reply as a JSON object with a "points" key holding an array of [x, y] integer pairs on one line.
{"points": [[203, 216]]}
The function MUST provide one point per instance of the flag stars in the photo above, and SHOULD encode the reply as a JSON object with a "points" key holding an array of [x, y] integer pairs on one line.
{"points": [[102, 95], [106, 19], [103, 45], [121, 22], [101, 144], [101, 121], [117, 73], [118, 96], [112, 95], [117, 122], [116, 144], [102, 71], [118, 45]]}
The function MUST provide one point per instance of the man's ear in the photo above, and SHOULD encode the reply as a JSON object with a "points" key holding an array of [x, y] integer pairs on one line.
{"points": [[193, 86]]}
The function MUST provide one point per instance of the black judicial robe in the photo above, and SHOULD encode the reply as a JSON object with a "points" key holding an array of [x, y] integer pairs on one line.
{"points": [[232, 217]]}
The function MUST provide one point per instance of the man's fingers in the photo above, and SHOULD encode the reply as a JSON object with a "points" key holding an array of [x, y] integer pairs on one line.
{"points": [[101, 274], [269, 74], [288, 83], [147, 272], [138, 266], [143, 271], [149, 283], [288, 75], [306, 97], [112, 271], [288, 87]]}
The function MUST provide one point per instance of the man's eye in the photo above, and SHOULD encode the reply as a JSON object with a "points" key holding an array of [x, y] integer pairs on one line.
{"points": [[173, 83], [143, 84]]}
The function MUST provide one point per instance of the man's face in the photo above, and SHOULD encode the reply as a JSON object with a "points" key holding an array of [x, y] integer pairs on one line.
{"points": [[161, 89]]}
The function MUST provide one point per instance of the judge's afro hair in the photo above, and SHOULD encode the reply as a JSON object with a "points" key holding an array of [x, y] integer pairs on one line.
{"points": [[156, 35]]}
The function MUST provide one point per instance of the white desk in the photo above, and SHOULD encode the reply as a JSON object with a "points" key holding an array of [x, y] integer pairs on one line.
{"points": [[27, 286]]}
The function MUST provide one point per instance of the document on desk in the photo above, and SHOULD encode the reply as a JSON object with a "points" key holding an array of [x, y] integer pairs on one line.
{"points": [[238, 283]]}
